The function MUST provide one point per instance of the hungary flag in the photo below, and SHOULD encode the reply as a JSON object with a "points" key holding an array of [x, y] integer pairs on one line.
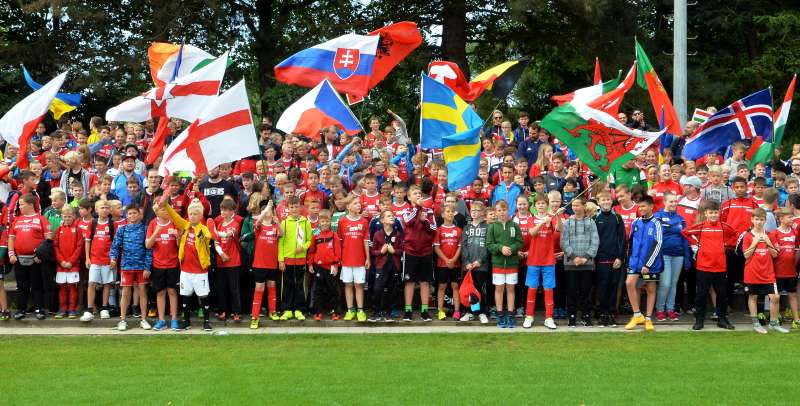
{"points": [[764, 151], [587, 94], [598, 139]]}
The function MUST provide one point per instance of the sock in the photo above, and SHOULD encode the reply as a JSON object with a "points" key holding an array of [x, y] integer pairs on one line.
{"points": [[647, 317], [755, 321], [187, 314], [62, 297], [531, 302], [637, 314], [206, 310], [72, 289], [423, 308], [408, 308], [548, 303], [272, 299], [257, 296]]}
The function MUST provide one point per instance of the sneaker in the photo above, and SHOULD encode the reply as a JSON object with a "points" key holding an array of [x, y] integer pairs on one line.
{"points": [[122, 325], [467, 317], [274, 316], [60, 315], [724, 323], [335, 316], [635, 321], [388, 317], [317, 317], [407, 316], [104, 314], [661, 316], [550, 323], [350, 315], [457, 316], [72, 315], [136, 313], [602, 321], [4, 315], [648, 325], [374, 317], [426, 316], [221, 316], [185, 325], [19, 315], [611, 321], [673, 315], [254, 322], [586, 320], [520, 312], [758, 328], [236, 318], [795, 324], [572, 321], [714, 316], [174, 325], [511, 322], [777, 327], [152, 313], [493, 313], [395, 314], [528, 323], [698, 325], [501, 321], [207, 326], [482, 317], [145, 325], [160, 325], [87, 317], [441, 315], [361, 316], [287, 315], [299, 315], [40, 314]]}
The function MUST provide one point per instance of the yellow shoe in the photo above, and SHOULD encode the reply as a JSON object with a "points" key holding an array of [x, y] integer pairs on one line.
{"points": [[441, 315], [350, 315], [152, 313], [648, 325], [274, 316], [254, 323], [635, 321], [287, 315], [361, 316], [299, 315]]}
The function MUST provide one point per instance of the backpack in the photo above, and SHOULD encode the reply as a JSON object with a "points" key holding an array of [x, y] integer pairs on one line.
{"points": [[94, 228], [739, 250]]}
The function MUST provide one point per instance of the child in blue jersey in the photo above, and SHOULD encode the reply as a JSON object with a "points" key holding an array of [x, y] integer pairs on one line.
{"points": [[645, 263]]}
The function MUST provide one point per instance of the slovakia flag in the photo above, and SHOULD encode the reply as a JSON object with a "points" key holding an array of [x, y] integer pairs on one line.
{"points": [[319, 108], [346, 61]]}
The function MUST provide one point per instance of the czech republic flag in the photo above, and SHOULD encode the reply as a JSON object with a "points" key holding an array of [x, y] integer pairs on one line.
{"points": [[319, 108]]}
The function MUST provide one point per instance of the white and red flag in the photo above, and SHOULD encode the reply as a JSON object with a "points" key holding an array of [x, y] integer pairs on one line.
{"points": [[223, 132], [18, 124]]}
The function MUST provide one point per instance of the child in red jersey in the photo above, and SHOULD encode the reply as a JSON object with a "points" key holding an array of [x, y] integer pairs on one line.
{"points": [[541, 260], [265, 265], [447, 246], [737, 213], [84, 223], [313, 207], [324, 257], [354, 232], [26, 232], [400, 206], [759, 273], [784, 238], [162, 239], [525, 221], [369, 199], [711, 237], [98, 244], [68, 243], [419, 231], [227, 227], [626, 207]]}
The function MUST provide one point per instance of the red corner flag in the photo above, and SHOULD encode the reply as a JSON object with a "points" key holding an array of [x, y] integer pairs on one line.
{"points": [[598, 79]]}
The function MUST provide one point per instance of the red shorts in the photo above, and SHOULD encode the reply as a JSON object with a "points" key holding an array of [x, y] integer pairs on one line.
{"points": [[504, 271], [130, 278]]}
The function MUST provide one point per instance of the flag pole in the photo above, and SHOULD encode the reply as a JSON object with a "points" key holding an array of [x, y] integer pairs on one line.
{"points": [[583, 192]]}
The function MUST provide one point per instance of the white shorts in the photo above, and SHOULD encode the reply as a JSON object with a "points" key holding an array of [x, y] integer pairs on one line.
{"points": [[354, 274], [101, 274], [504, 278], [196, 283], [67, 277]]}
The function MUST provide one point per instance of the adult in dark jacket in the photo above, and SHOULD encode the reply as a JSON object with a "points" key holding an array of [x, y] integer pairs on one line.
{"points": [[610, 256]]}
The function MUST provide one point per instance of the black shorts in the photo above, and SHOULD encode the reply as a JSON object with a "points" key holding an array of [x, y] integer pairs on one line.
{"points": [[761, 288], [787, 285], [165, 278], [447, 275], [261, 275], [417, 269]]}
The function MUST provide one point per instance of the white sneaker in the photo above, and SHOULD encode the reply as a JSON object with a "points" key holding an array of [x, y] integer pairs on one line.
{"points": [[104, 314], [145, 325], [528, 323], [759, 329], [550, 323], [778, 328], [87, 317], [483, 318], [467, 317], [122, 325]]}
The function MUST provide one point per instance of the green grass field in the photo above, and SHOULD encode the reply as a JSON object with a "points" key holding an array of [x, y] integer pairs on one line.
{"points": [[590, 368]]}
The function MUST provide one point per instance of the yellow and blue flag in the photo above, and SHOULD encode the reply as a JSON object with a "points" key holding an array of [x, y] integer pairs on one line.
{"points": [[443, 113], [63, 102]]}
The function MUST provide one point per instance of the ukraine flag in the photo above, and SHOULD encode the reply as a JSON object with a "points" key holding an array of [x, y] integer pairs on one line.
{"points": [[63, 102], [450, 123]]}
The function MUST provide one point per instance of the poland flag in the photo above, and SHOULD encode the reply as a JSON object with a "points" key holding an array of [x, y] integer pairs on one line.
{"points": [[18, 124], [222, 133]]}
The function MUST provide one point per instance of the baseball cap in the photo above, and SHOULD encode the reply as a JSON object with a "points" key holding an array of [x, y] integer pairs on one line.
{"points": [[692, 181], [129, 156]]}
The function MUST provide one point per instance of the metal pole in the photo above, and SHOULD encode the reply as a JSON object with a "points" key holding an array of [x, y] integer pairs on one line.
{"points": [[679, 86]]}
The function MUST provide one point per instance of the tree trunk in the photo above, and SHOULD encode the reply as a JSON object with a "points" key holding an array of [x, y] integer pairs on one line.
{"points": [[265, 52], [454, 34]]}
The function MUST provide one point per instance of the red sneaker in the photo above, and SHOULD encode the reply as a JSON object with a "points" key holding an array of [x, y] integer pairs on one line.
{"points": [[334, 316], [673, 315], [661, 316], [221, 316], [318, 317], [236, 318]]}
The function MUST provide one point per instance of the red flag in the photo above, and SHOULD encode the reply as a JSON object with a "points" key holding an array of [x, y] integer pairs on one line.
{"points": [[450, 74], [598, 79], [397, 41], [157, 145]]}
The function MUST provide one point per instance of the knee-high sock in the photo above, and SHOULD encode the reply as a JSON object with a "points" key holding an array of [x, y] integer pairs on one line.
{"points": [[187, 314], [62, 297], [257, 296], [548, 302], [272, 298], [531, 302], [204, 305], [72, 289]]}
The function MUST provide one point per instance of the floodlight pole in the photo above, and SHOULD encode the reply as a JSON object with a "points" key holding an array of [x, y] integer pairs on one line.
{"points": [[679, 86]]}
